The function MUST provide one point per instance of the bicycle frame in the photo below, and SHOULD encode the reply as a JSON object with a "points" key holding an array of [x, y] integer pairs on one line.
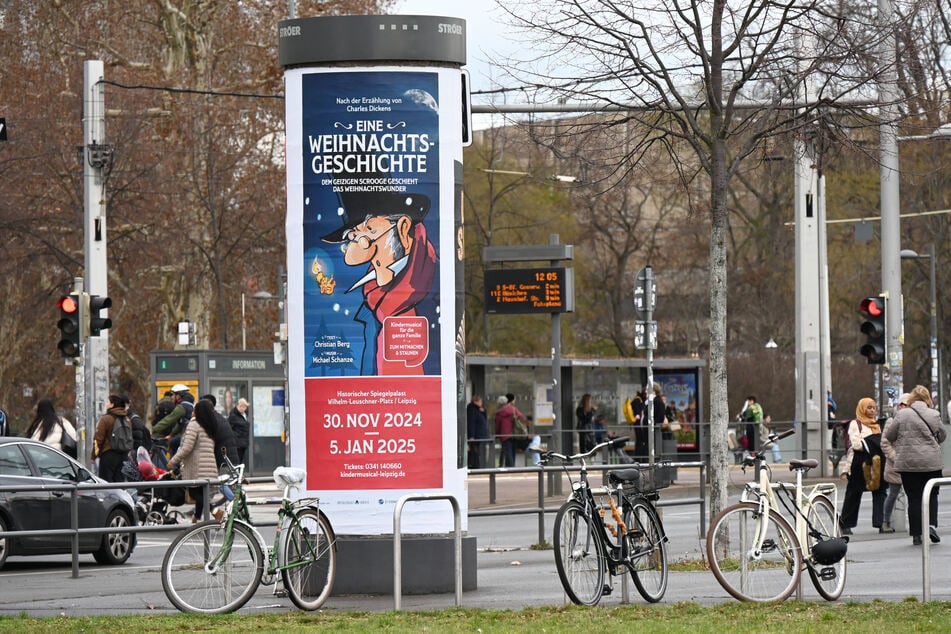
{"points": [[617, 549], [763, 493], [237, 511]]}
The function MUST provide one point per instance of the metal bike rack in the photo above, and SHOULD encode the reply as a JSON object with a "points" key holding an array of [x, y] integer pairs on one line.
{"points": [[398, 545], [925, 541]]}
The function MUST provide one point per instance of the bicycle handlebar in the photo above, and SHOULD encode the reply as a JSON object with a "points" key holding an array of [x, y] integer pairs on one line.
{"points": [[612, 442], [760, 456], [235, 474]]}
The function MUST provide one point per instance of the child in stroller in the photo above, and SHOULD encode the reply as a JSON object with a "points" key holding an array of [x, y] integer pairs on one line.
{"points": [[154, 505]]}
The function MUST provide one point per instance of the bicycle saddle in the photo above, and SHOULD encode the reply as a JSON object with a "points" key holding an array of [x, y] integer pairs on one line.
{"points": [[805, 465], [289, 476], [624, 476]]}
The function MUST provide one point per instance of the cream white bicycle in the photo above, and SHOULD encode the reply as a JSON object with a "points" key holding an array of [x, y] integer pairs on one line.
{"points": [[757, 555]]}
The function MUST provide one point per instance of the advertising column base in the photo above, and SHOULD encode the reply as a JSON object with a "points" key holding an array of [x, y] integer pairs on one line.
{"points": [[365, 564]]}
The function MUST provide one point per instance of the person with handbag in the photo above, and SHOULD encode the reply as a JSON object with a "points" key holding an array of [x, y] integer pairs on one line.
{"points": [[916, 433], [865, 436], [52, 429]]}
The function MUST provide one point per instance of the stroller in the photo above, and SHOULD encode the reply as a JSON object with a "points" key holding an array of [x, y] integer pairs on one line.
{"points": [[154, 506]]}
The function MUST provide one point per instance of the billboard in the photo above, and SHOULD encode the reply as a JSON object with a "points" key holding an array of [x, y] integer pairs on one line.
{"points": [[372, 318]]}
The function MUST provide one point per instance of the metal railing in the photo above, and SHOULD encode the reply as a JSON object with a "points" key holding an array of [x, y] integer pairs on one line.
{"points": [[549, 472], [74, 490], [398, 545], [925, 542]]}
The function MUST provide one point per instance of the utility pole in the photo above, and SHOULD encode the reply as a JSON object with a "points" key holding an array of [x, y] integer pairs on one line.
{"points": [[891, 221], [812, 286], [97, 158]]}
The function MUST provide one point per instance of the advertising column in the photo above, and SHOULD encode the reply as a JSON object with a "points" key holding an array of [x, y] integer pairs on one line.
{"points": [[374, 121]]}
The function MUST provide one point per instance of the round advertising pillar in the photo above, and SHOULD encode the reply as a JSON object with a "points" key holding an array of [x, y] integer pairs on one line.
{"points": [[375, 125]]}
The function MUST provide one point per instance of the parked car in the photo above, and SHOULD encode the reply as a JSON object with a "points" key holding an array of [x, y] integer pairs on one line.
{"points": [[27, 462]]}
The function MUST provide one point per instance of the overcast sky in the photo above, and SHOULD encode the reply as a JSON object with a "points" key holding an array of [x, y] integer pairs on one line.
{"points": [[486, 32]]}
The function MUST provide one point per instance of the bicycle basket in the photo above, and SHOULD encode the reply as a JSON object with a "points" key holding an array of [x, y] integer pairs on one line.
{"points": [[830, 551], [641, 478]]}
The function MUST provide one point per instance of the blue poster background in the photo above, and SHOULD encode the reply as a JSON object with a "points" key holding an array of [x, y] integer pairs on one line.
{"points": [[371, 131], [680, 388]]}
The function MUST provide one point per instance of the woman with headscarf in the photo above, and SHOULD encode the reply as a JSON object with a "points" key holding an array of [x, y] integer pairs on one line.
{"points": [[916, 433], [865, 436]]}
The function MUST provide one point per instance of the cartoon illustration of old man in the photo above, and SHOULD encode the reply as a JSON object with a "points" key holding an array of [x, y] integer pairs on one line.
{"points": [[400, 310]]}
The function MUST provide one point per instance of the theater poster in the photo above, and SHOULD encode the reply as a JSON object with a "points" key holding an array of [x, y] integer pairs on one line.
{"points": [[371, 276], [680, 388]]}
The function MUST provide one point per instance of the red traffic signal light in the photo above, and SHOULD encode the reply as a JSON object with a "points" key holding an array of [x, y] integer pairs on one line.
{"points": [[69, 326], [873, 327]]}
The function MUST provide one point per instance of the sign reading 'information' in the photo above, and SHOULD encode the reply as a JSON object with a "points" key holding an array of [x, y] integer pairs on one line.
{"points": [[537, 290]]}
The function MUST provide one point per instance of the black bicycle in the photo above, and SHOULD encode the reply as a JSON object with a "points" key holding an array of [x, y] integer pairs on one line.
{"points": [[603, 532]]}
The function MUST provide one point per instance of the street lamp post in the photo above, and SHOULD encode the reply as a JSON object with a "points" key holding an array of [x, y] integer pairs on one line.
{"points": [[936, 382]]}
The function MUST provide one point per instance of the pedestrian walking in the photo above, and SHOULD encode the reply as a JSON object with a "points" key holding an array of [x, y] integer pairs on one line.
{"points": [[916, 433], [892, 477], [865, 436], [110, 459], [49, 427], [196, 454]]}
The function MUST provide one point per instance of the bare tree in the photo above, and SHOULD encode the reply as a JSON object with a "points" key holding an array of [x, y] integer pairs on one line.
{"points": [[718, 77], [195, 192]]}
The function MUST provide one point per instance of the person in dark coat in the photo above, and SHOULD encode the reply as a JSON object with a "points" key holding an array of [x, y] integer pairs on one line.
{"points": [[141, 436], [238, 420], [477, 431], [225, 443], [110, 460]]}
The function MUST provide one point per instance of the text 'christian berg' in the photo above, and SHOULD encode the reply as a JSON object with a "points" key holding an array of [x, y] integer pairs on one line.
{"points": [[384, 230]]}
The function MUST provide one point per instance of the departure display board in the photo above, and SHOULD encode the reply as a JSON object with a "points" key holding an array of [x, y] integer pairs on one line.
{"points": [[536, 290]]}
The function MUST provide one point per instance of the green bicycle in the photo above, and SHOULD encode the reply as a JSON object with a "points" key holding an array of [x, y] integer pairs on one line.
{"points": [[216, 566]]}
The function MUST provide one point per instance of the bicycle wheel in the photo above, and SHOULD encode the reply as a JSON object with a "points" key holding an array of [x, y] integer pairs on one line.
{"points": [[579, 554], [309, 558], [192, 587], [647, 549], [828, 580], [769, 574]]}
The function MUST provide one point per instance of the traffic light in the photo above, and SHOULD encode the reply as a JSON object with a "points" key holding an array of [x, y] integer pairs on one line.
{"points": [[873, 327], [98, 323], [69, 325]]}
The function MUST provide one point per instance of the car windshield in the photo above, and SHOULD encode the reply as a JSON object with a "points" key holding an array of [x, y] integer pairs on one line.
{"points": [[51, 464]]}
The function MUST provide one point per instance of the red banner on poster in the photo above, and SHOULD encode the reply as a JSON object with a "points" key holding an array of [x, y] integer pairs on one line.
{"points": [[374, 433]]}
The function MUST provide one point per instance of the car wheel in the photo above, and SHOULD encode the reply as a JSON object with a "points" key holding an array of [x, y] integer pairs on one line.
{"points": [[3, 544], [116, 547]]}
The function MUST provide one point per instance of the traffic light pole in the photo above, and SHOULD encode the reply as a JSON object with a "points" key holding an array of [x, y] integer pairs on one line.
{"points": [[97, 157], [890, 210], [80, 379]]}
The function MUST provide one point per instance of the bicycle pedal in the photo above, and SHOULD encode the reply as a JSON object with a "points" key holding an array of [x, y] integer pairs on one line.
{"points": [[280, 593], [606, 590], [827, 574]]}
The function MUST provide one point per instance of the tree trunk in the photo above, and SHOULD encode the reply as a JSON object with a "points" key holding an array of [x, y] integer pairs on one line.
{"points": [[719, 403]]}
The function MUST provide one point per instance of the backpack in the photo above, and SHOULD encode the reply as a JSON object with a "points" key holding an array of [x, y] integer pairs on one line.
{"points": [[121, 439], [184, 420], [846, 443]]}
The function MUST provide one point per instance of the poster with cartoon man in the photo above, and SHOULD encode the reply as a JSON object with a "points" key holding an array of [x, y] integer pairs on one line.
{"points": [[370, 182], [371, 300]]}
